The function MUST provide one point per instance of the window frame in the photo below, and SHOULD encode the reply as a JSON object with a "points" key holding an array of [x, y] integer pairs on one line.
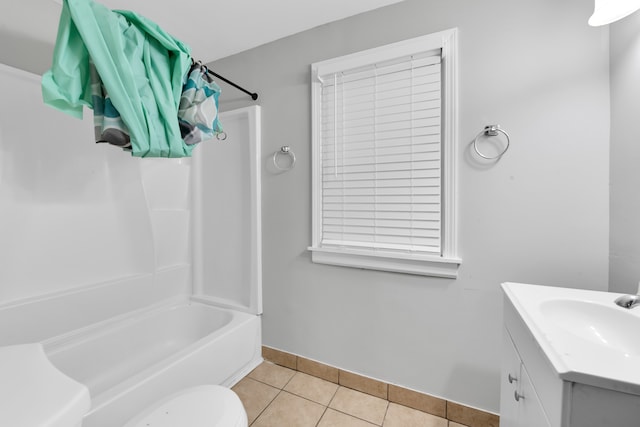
{"points": [[446, 264]]}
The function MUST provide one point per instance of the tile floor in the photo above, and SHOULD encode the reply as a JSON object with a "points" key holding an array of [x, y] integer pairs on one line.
{"points": [[275, 396]]}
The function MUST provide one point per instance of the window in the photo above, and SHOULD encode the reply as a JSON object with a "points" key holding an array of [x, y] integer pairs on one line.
{"points": [[384, 160]]}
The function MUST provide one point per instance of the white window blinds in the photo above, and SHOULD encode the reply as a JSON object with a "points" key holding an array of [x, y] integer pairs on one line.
{"points": [[380, 156]]}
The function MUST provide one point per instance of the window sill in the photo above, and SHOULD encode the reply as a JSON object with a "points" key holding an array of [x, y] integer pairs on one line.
{"points": [[424, 265]]}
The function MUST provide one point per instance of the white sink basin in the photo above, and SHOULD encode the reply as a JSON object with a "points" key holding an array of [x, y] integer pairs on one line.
{"points": [[584, 334], [603, 325]]}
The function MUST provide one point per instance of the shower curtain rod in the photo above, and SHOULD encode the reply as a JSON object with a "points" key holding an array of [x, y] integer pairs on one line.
{"points": [[253, 95]]}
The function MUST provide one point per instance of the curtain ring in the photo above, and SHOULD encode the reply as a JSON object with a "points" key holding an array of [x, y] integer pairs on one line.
{"points": [[285, 150], [491, 130], [221, 136]]}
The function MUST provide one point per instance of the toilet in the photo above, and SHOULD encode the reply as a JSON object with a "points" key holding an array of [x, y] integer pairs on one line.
{"points": [[34, 393], [201, 406]]}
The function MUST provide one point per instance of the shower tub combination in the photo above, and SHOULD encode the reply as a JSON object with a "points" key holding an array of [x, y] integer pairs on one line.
{"points": [[132, 346], [134, 360]]}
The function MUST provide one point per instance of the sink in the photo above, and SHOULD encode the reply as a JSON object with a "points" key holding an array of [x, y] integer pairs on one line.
{"points": [[585, 336], [600, 324], [578, 357]]}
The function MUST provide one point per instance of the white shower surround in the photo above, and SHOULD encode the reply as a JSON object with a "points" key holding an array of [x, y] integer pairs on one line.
{"points": [[125, 308]]}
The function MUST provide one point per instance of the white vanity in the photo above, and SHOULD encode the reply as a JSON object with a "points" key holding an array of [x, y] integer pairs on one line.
{"points": [[571, 358]]}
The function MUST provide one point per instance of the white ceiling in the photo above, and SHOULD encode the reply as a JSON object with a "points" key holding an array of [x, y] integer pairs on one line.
{"points": [[213, 29]]}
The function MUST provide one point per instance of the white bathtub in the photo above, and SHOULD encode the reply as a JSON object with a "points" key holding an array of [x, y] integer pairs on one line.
{"points": [[133, 360]]}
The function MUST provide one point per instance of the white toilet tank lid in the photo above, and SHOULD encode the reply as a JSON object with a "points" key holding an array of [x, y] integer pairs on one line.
{"points": [[33, 392], [200, 406]]}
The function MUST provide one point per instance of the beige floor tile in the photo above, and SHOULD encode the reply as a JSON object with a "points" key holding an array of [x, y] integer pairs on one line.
{"points": [[471, 416], [318, 369], [359, 405], [274, 375], [290, 411], [279, 357], [363, 384], [312, 388], [333, 418], [419, 401], [402, 416], [255, 396], [452, 424]]}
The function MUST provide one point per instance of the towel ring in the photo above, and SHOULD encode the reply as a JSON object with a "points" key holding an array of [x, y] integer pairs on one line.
{"points": [[285, 150], [491, 130]]}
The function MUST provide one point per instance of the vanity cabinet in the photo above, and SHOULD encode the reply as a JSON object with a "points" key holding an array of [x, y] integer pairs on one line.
{"points": [[534, 392]]}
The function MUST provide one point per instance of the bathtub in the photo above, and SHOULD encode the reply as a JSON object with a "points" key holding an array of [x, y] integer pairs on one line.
{"points": [[130, 361]]}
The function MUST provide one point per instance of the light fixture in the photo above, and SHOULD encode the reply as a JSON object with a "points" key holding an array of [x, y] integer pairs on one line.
{"points": [[608, 11]]}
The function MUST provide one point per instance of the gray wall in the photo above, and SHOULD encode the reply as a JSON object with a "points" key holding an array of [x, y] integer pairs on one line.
{"points": [[21, 47], [624, 262], [539, 215], [25, 53]]}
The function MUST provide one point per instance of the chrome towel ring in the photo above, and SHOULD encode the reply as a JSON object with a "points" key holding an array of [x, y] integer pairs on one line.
{"points": [[285, 150], [491, 130]]}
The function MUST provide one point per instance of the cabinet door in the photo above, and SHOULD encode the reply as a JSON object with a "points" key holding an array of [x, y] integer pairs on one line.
{"points": [[519, 403], [530, 412], [509, 378]]}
